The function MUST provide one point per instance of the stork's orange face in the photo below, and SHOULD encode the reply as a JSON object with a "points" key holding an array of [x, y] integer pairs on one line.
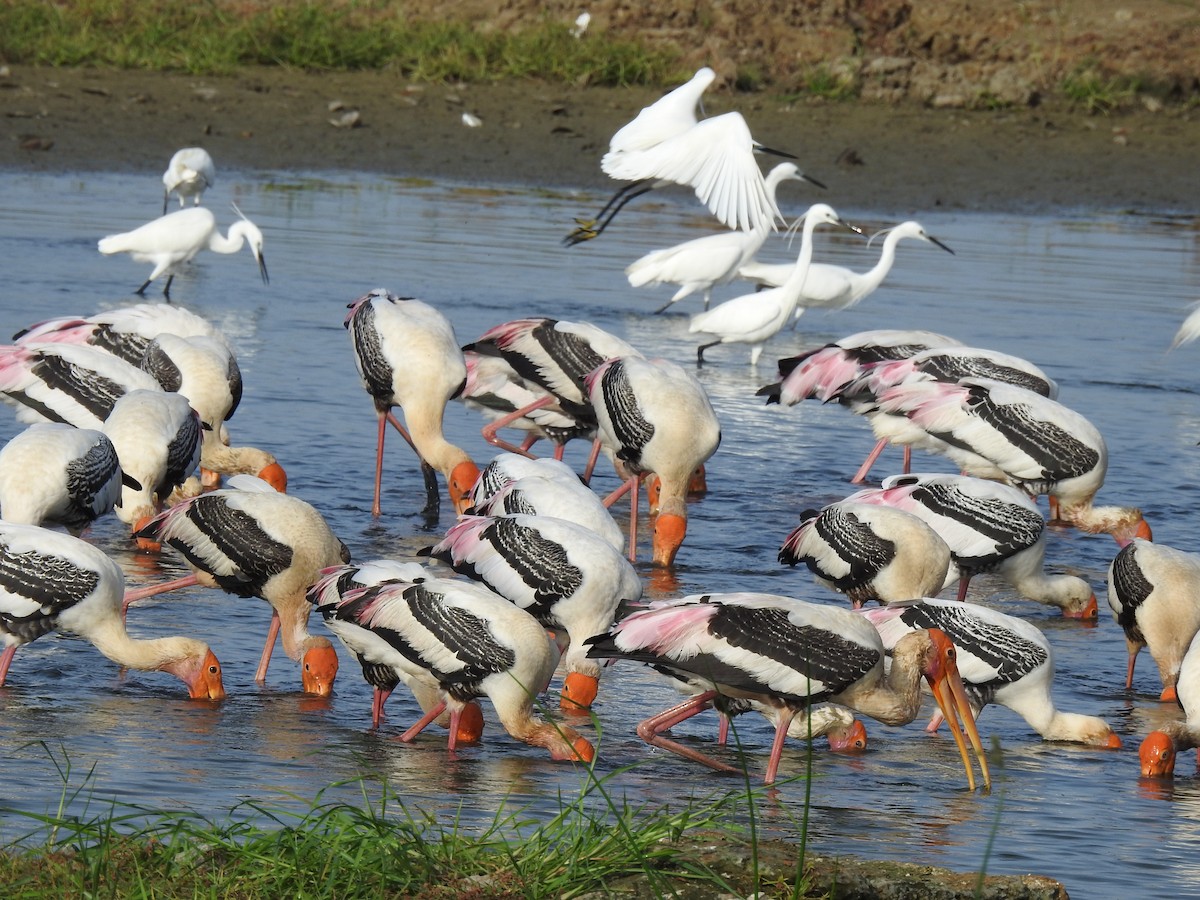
{"points": [[851, 739], [1089, 611], [1157, 756], [941, 671], [144, 543], [669, 532], [579, 691], [318, 670], [275, 477], [202, 675], [470, 724], [462, 479]]}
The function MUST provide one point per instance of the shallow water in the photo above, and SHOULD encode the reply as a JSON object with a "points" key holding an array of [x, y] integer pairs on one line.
{"points": [[1093, 300]]}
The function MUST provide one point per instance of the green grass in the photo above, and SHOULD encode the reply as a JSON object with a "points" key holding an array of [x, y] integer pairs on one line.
{"points": [[218, 37], [348, 851], [1098, 94], [382, 848]]}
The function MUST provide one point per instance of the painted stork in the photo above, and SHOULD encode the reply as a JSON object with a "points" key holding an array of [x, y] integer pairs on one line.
{"points": [[1002, 660], [570, 580], [257, 543], [788, 654], [473, 643], [869, 552], [1154, 595], [655, 417], [383, 666], [51, 581], [988, 526], [407, 356]]}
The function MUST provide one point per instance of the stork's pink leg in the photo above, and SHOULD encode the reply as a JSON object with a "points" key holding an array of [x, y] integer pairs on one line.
{"points": [[391, 417], [1129, 671], [422, 723], [272, 633], [620, 492], [650, 730], [781, 730], [6, 659], [633, 517], [861, 475], [963, 581], [489, 430], [152, 590], [375, 508], [377, 700], [593, 456], [907, 459]]}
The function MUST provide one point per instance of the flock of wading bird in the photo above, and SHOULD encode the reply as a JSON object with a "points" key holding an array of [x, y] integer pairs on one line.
{"points": [[128, 411]]}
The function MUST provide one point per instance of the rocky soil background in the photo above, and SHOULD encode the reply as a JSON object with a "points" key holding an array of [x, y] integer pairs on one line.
{"points": [[957, 53], [898, 106]]}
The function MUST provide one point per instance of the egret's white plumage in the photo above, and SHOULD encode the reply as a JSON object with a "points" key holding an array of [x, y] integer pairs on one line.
{"points": [[189, 174], [665, 144], [174, 239], [755, 318], [836, 287], [702, 263]]}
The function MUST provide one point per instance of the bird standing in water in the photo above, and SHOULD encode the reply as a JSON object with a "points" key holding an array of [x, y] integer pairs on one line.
{"points": [[407, 356], [174, 239]]}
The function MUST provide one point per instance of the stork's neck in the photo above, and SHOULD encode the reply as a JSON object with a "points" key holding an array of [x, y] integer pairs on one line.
{"points": [[293, 632], [1063, 726], [896, 699], [111, 639], [227, 460], [1119, 521]]}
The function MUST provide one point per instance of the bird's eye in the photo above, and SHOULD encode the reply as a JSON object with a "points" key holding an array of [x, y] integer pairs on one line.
{"points": [[213, 670]]}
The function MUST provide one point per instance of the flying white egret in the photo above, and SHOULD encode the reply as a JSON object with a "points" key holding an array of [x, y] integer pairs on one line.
{"points": [[666, 144], [172, 240], [189, 174]]}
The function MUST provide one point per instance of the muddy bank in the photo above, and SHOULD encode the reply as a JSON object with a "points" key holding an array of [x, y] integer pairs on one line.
{"points": [[893, 159]]}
